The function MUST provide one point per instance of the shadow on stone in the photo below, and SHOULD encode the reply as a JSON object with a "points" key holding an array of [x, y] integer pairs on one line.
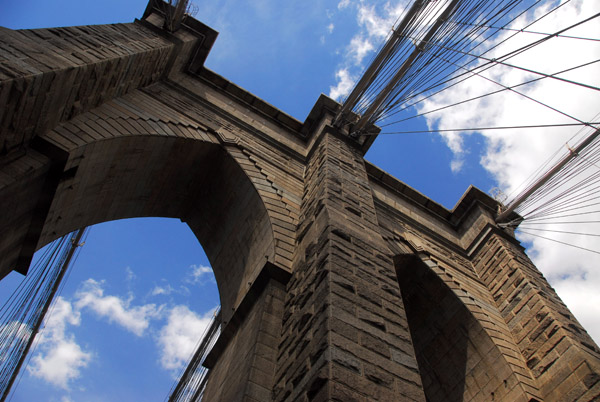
{"points": [[455, 355]]}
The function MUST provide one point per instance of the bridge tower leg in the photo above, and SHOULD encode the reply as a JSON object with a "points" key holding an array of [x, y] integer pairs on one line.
{"points": [[344, 335]]}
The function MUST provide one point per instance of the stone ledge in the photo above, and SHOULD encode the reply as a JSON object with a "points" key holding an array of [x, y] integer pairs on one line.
{"points": [[239, 94], [473, 196]]}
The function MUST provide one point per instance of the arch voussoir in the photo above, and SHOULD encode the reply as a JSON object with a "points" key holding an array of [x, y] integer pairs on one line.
{"points": [[300, 229]]}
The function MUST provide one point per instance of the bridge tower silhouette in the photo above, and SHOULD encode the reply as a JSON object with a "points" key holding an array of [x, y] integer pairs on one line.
{"points": [[337, 281]]}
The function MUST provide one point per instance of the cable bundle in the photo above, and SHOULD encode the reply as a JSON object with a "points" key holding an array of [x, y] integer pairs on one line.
{"points": [[192, 382], [22, 314], [434, 47], [570, 197]]}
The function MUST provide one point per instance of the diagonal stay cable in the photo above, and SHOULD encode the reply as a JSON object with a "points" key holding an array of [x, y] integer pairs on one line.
{"points": [[453, 34], [498, 61], [558, 241], [450, 78], [570, 172], [487, 94], [527, 223], [488, 65], [529, 97], [523, 30], [564, 232], [581, 190], [545, 220], [450, 34], [488, 128]]}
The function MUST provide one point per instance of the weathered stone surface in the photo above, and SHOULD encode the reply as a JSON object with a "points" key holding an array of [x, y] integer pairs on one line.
{"points": [[337, 281]]}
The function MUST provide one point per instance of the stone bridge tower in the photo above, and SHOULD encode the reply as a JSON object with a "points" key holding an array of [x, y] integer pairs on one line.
{"points": [[337, 281]]}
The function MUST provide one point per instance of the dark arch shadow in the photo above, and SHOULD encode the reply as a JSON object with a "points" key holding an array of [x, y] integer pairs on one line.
{"points": [[156, 176], [457, 359]]}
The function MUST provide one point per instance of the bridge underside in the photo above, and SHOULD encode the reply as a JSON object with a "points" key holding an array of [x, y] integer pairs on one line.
{"points": [[337, 281]]}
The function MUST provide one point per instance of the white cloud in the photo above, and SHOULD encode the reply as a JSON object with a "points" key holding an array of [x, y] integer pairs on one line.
{"points": [[343, 4], [179, 338], [376, 25], [345, 83], [330, 27], [359, 48], [511, 155], [580, 292], [60, 364], [456, 165], [131, 276], [133, 318], [375, 22], [199, 273], [61, 358], [509, 108], [162, 290]]}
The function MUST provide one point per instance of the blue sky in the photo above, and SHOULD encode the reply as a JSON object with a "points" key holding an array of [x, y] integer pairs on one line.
{"points": [[136, 280], [128, 281]]}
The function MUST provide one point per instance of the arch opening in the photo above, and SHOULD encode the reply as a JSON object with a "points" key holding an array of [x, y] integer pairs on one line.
{"points": [[195, 181], [128, 318], [457, 359]]}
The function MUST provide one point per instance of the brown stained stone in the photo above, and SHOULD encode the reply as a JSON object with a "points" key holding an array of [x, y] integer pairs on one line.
{"points": [[309, 242]]}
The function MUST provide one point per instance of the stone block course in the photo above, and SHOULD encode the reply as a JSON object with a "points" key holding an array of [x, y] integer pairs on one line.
{"points": [[338, 282], [533, 313]]}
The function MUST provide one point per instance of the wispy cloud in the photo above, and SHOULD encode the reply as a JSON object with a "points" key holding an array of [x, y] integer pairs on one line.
{"points": [[374, 23], [343, 4], [199, 274], [162, 290], [377, 25], [130, 275], [359, 48], [344, 85], [116, 309], [179, 338]]}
